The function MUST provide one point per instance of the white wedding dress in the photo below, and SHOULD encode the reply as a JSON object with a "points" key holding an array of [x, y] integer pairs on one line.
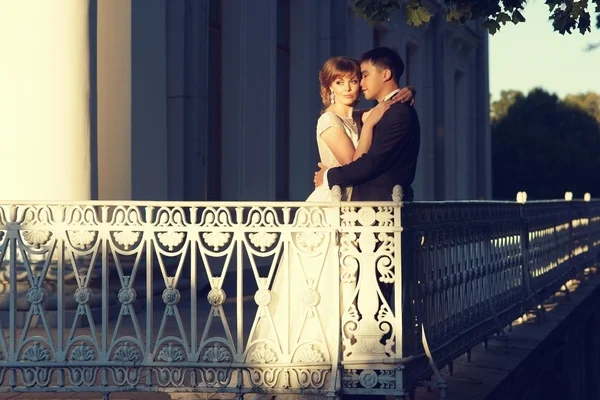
{"points": [[326, 121], [300, 322]]}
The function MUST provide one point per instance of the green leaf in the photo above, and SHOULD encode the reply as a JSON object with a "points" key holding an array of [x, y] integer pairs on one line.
{"points": [[552, 4], [417, 14], [517, 17], [491, 25], [503, 18], [452, 14], [584, 24]]}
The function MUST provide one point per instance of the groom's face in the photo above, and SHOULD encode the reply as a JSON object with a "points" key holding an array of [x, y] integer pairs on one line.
{"points": [[372, 80]]}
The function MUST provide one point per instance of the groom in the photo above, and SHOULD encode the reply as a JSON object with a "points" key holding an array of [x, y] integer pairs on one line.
{"points": [[392, 158]]}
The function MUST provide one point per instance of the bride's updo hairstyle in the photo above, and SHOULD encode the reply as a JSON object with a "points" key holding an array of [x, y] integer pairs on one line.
{"points": [[334, 68]]}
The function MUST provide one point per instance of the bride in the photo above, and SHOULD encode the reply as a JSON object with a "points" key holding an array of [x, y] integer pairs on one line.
{"points": [[299, 321]]}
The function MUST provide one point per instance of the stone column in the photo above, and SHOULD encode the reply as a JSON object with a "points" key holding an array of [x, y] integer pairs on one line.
{"points": [[44, 107], [44, 127]]}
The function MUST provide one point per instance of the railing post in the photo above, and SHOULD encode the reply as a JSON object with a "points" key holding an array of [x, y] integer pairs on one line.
{"points": [[337, 369], [588, 231], [572, 259], [526, 271], [400, 285]]}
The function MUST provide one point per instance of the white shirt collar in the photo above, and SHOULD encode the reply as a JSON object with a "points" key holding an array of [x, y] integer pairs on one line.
{"points": [[391, 94]]}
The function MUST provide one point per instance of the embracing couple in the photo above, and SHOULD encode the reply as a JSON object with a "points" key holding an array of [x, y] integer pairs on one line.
{"points": [[366, 153]]}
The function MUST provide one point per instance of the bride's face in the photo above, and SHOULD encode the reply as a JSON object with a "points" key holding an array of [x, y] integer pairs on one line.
{"points": [[346, 90]]}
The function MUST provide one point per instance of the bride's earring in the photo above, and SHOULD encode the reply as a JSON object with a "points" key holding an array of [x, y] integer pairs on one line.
{"points": [[332, 97]]}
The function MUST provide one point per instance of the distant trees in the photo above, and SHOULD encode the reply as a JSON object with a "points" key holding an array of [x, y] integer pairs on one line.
{"points": [[588, 102], [499, 108], [545, 146]]}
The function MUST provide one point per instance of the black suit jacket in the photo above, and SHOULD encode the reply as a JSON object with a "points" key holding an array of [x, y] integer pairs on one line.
{"points": [[391, 160]]}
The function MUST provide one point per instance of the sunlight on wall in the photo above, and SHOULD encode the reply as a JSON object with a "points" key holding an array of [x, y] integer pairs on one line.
{"points": [[114, 100], [44, 105]]}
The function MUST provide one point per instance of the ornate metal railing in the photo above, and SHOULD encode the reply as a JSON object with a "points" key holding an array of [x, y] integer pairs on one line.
{"points": [[474, 267], [279, 297], [222, 297]]}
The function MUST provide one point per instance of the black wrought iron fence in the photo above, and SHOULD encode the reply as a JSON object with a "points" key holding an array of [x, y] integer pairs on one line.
{"points": [[471, 268]]}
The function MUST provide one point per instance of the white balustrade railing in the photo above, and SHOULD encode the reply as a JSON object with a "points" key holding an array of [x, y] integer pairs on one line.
{"points": [[277, 297], [222, 297]]}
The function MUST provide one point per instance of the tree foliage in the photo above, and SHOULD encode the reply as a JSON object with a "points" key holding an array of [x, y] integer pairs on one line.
{"points": [[499, 108], [588, 102], [544, 146], [566, 15]]}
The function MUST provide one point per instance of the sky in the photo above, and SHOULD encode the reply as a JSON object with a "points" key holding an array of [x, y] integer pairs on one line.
{"points": [[532, 54]]}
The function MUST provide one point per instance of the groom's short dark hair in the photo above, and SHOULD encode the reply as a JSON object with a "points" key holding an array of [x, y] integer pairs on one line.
{"points": [[385, 58]]}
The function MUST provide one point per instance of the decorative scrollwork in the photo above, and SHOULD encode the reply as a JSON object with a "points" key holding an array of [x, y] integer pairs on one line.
{"points": [[211, 377], [83, 353], [82, 239], [263, 355], [350, 379], [263, 240], [37, 239], [312, 378], [83, 376], [368, 378], [367, 216], [126, 238], [217, 354], [126, 376], [348, 216], [38, 376], [387, 379], [127, 353], [171, 354], [171, 296], [36, 353], [216, 240], [262, 297], [385, 216], [216, 297], [82, 295], [35, 296], [308, 241], [127, 295], [171, 239], [262, 217], [170, 376], [348, 270], [212, 217], [264, 377], [386, 268], [311, 297], [309, 354], [310, 217]]}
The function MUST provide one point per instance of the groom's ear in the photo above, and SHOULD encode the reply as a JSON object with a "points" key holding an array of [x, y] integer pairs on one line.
{"points": [[387, 75]]}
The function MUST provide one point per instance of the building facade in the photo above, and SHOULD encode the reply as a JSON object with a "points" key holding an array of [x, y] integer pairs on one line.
{"points": [[218, 99]]}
